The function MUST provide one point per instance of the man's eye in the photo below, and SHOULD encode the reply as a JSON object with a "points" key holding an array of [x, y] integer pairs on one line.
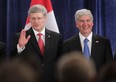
{"points": [[33, 18], [81, 21]]}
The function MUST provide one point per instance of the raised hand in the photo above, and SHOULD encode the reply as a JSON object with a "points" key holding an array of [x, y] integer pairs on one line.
{"points": [[23, 39]]}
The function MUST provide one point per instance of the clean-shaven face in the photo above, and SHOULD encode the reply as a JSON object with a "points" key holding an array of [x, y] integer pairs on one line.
{"points": [[84, 24], [37, 21]]}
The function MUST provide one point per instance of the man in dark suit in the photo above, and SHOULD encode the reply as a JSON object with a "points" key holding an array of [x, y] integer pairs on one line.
{"points": [[27, 43], [99, 48]]}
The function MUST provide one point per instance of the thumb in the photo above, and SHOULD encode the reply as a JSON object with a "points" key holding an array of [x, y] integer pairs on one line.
{"points": [[28, 37]]}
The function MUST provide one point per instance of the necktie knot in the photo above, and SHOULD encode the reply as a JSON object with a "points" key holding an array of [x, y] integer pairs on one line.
{"points": [[39, 34], [86, 41]]}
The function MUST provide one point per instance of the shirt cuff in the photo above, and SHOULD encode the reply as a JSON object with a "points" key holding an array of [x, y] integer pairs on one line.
{"points": [[20, 49]]}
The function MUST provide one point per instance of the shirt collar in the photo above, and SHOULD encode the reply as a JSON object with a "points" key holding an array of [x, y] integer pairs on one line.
{"points": [[36, 32], [83, 37]]}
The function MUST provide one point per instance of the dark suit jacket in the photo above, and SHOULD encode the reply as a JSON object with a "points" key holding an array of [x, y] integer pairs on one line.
{"points": [[101, 49], [46, 62]]}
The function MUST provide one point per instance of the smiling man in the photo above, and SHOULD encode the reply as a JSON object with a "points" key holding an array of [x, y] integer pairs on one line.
{"points": [[93, 46]]}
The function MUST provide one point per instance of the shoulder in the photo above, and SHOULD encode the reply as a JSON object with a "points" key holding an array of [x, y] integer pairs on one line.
{"points": [[72, 39], [52, 33], [100, 38]]}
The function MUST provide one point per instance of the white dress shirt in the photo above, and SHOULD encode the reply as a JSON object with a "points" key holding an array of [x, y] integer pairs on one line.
{"points": [[89, 42]]}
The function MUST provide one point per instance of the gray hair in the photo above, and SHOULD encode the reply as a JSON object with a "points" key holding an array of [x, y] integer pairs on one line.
{"points": [[38, 9], [83, 12]]}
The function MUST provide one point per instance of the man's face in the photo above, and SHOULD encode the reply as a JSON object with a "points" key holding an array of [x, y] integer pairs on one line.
{"points": [[84, 24], [37, 21]]}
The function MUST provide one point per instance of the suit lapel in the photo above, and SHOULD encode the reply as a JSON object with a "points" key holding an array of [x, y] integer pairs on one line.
{"points": [[95, 42], [47, 41], [79, 43], [33, 40], [76, 43]]}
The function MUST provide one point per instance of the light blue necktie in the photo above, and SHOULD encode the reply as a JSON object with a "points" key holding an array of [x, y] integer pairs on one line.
{"points": [[86, 49]]}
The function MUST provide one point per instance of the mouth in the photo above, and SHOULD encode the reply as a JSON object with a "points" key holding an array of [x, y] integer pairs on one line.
{"points": [[85, 27], [36, 25]]}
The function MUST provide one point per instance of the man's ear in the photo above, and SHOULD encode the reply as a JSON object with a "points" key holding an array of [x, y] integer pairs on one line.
{"points": [[76, 24], [92, 24], [29, 18]]}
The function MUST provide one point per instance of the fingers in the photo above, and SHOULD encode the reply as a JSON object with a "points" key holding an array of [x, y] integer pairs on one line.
{"points": [[23, 33], [23, 40], [28, 38], [23, 36]]}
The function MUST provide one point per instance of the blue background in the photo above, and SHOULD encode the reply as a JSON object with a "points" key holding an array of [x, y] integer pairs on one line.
{"points": [[13, 14]]}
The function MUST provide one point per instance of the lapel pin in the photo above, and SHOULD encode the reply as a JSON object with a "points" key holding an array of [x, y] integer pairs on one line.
{"points": [[97, 41], [49, 36]]}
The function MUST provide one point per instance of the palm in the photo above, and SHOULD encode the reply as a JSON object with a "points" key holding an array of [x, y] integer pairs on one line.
{"points": [[23, 39]]}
